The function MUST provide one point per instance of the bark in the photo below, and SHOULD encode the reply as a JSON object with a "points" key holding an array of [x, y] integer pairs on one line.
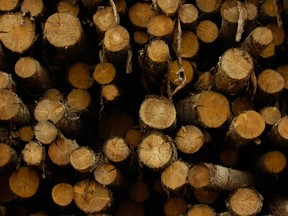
{"points": [[245, 201], [34, 154], [62, 194], [79, 76], [9, 156], [279, 206], [6, 81], [17, 36], [217, 177], [278, 133], [206, 109]]}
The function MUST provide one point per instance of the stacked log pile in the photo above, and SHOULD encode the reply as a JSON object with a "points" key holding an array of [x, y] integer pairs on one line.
{"points": [[162, 107]]}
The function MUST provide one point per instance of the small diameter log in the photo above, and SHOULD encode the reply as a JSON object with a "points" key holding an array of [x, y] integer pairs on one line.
{"points": [[245, 201], [271, 115], [104, 73], [35, 8], [277, 32], [104, 19], [252, 15], [233, 72], [53, 94], [68, 6], [6, 81], [160, 26], [116, 43], [245, 128], [24, 182], [208, 7], [188, 14], [283, 70], [127, 207], [12, 108], [217, 177], [140, 13], [241, 104], [158, 113], [91, 197], [175, 206], [229, 157], [204, 81], [139, 192], [156, 150], [17, 33], [8, 5], [180, 74], [169, 7], [33, 74], [59, 151], [207, 109], [269, 10], [64, 32], [26, 133], [79, 100], [79, 76], [110, 92], [108, 175], [279, 206], [270, 84], [9, 156], [156, 58], [49, 110], [257, 41], [174, 177], [189, 45], [234, 16], [279, 132], [34, 154], [268, 52], [116, 149], [205, 196], [62, 194], [207, 31], [189, 139], [133, 137], [272, 162], [200, 209], [83, 159], [140, 37]]}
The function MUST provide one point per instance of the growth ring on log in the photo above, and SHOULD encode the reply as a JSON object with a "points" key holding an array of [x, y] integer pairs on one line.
{"points": [[116, 39], [17, 33], [157, 112]]}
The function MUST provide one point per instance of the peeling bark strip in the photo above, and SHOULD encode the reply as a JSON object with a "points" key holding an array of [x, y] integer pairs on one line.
{"points": [[217, 177]]}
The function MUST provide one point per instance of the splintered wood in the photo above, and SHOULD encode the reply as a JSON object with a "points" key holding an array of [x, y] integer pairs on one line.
{"points": [[147, 107]]}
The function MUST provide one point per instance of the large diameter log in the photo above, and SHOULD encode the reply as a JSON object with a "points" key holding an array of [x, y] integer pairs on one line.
{"points": [[156, 150], [207, 109], [64, 32], [245, 128], [24, 182], [218, 177], [91, 197], [12, 108], [245, 201], [233, 72], [17, 33], [158, 113]]}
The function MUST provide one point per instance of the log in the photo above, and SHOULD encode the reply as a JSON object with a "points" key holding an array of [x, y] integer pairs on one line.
{"points": [[104, 19], [12, 108], [45, 132], [245, 128], [188, 14], [200, 209], [272, 162], [104, 73], [26, 133], [245, 201], [189, 139], [35, 8], [110, 92], [271, 115], [9, 5], [133, 137], [207, 31], [24, 182], [252, 16], [174, 206], [205, 196], [156, 150], [174, 177], [208, 7], [160, 26], [68, 6], [140, 37], [53, 94], [241, 104], [34, 154], [17, 33], [189, 45], [168, 8], [9, 156], [64, 32], [204, 81], [157, 113], [6, 81], [79, 100], [91, 197], [79, 76], [283, 70], [278, 206], [83, 159], [269, 52], [278, 133], [206, 109], [233, 72], [217, 177], [139, 191], [268, 11], [277, 32], [62, 194], [59, 151]]}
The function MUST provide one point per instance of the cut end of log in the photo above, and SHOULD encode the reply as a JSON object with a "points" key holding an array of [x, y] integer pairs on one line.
{"points": [[45, 132], [174, 72], [175, 206], [273, 162], [270, 81], [262, 35], [229, 11], [139, 192], [34, 7], [158, 113], [110, 92], [83, 159], [33, 153], [104, 73], [133, 137], [158, 51], [8, 155], [201, 209], [189, 45], [79, 99], [26, 67], [116, 149], [62, 194], [104, 19], [209, 6], [116, 39], [68, 6], [207, 31], [199, 176], [79, 76], [26, 133], [49, 109], [188, 14], [270, 114], [106, 174], [160, 26], [8, 5]]}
